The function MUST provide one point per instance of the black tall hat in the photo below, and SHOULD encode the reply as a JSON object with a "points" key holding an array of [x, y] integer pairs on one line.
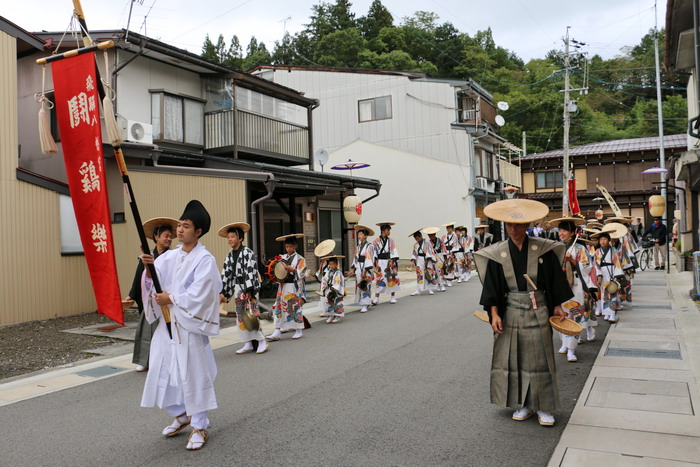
{"points": [[195, 212]]}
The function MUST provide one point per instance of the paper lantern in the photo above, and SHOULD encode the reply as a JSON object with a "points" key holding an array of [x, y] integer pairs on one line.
{"points": [[657, 205], [599, 214], [352, 209]]}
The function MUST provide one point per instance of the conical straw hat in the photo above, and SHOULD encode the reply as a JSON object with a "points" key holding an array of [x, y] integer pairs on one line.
{"points": [[516, 211]]}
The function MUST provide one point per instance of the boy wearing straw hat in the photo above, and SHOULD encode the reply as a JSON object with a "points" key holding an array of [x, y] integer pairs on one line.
{"points": [[523, 286], [609, 270], [362, 266], [452, 248], [182, 367], [421, 258], [161, 231], [333, 287], [291, 294], [386, 259], [464, 253], [578, 267], [242, 283], [439, 250]]}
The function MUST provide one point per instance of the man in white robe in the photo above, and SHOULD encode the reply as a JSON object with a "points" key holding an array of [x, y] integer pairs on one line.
{"points": [[182, 366]]}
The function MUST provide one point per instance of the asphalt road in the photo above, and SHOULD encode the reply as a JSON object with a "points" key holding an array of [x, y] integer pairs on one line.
{"points": [[404, 384]]}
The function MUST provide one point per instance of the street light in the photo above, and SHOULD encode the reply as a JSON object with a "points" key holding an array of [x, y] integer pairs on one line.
{"points": [[664, 176]]}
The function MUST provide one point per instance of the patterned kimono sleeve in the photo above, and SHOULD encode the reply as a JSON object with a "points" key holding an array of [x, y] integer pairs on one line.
{"points": [[586, 266], [369, 257], [394, 250], [430, 252], [414, 255], [339, 283], [617, 262], [227, 276], [324, 282], [376, 246], [299, 274], [248, 263]]}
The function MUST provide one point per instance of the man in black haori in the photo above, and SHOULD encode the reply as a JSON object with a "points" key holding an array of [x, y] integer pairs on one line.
{"points": [[482, 239], [523, 286]]}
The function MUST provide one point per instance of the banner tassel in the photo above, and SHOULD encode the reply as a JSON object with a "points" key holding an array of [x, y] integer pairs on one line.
{"points": [[113, 133], [48, 145]]}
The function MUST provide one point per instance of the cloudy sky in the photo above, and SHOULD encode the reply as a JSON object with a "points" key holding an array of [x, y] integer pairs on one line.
{"points": [[528, 27]]}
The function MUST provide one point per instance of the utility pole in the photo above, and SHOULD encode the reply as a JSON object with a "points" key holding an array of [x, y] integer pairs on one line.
{"points": [[567, 123], [659, 110]]}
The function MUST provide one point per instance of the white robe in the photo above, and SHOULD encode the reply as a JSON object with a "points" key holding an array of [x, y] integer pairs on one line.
{"points": [[182, 369]]}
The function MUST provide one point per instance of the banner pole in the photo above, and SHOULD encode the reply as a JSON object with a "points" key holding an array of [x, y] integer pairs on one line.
{"points": [[119, 156]]}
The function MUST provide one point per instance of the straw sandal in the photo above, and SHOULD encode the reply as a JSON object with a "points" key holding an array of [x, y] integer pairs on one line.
{"points": [[197, 445], [174, 430]]}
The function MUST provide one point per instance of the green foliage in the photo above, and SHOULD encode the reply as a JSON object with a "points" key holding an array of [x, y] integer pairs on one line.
{"points": [[621, 102]]}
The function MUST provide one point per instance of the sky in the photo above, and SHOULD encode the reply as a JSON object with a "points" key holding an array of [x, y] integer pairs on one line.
{"points": [[530, 28]]}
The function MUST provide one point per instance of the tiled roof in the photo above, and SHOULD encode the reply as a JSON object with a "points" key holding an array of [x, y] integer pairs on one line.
{"points": [[617, 146]]}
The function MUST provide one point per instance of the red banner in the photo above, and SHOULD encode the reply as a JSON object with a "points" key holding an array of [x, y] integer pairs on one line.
{"points": [[78, 111], [573, 198]]}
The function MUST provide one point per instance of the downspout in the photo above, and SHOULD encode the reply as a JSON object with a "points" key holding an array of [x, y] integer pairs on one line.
{"points": [[310, 120], [373, 196], [119, 68], [270, 186]]}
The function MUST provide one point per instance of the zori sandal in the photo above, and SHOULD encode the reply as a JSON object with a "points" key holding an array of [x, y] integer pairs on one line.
{"points": [[197, 439], [180, 422]]}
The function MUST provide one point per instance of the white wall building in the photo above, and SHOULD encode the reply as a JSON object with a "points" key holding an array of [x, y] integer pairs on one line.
{"points": [[430, 141]]}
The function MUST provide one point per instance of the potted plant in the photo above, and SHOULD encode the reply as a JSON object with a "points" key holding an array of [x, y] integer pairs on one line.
{"points": [[687, 258]]}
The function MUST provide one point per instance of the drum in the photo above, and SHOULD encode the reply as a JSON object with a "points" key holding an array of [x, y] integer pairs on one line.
{"points": [[392, 270], [275, 269], [612, 287], [429, 275], [332, 295], [362, 285]]}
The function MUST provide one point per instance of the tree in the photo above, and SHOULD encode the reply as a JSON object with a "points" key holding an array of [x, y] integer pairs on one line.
{"points": [[340, 48], [340, 16], [377, 18], [257, 54]]}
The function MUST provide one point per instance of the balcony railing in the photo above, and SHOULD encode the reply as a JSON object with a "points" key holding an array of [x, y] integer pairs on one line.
{"points": [[255, 133], [510, 173]]}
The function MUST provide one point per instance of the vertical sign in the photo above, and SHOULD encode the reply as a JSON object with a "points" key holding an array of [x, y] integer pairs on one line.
{"points": [[77, 109]]}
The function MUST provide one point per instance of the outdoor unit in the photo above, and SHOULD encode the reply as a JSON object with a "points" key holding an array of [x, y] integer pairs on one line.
{"points": [[482, 183], [136, 132]]}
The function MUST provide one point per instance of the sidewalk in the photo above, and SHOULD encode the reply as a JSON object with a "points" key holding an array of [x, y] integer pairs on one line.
{"points": [[638, 406], [87, 371]]}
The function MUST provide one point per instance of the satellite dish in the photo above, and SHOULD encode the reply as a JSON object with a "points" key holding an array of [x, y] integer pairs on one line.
{"points": [[500, 121], [503, 106], [321, 156]]}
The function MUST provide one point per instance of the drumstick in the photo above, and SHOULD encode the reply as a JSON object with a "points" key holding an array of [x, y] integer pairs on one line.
{"points": [[529, 281]]}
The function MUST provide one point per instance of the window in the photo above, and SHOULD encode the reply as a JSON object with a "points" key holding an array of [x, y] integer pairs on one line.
{"points": [[177, 119], [550, 179], [484, 164], [330, 225], [378, 108], [70, 235]]}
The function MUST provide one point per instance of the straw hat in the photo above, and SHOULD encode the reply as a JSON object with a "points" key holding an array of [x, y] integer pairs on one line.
{"points": [[333, 257], [386, 223], [324, 248], [358, 227], [594, 224], [151, 224], [621, 220], [482, 226], [591, 231], [416, 232], [431, 230], [449, 224], [575, 220], [126, 304], [516, 211], [223, 231], [482, 315], [615, 230], [566, 326], [284, 237]]}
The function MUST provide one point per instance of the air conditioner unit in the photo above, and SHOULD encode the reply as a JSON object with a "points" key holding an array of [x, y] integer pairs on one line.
{"points": [[136, 132], [482, 183]]}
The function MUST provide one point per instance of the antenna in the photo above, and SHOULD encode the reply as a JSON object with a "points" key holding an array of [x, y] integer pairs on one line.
{"points": [[288, 18], [503, 106], [500, 121]]}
